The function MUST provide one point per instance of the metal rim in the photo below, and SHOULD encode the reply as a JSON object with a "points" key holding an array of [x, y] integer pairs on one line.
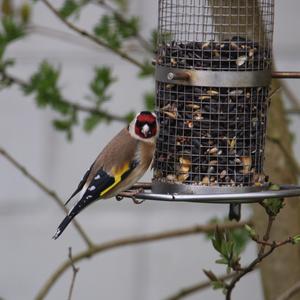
{"points": [[213, 78], [244, 197], [180, 188]]}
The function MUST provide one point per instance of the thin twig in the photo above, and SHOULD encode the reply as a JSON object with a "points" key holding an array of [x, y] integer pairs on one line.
{"points": [[60, 35], [292, 291], [49, 192], [133, 240], [251, 266], [92, 37], [274, 92], [266, 236], [76, 106], [184, 292], [75, 271]]}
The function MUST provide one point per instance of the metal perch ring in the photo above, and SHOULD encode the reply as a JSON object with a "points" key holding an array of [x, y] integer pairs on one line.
{"points": [[285, 191]]}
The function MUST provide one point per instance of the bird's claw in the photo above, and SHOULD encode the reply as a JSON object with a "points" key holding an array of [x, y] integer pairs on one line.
{"points": [[131, 194]]}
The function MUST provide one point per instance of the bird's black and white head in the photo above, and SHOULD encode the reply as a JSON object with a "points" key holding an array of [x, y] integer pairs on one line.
{"points": [[144, 127]]}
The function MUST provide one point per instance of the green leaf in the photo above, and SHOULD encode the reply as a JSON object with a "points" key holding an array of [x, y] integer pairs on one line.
{"points": [[70, 7], [147, 70], [273, 206], [154, 39], [91, 122], [25, 12], [296, 239], [130, 116], [99, 85], [11, 30], [44, 84], [66, 125], [114, 29], [126, 27], [251, 231], [106, 30], [240, 237], [223, 261], [149, 100], [218, 239], [217, 285]]}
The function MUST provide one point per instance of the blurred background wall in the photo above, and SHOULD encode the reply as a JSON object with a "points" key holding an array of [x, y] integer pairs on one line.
{"points": [[28, 217]]}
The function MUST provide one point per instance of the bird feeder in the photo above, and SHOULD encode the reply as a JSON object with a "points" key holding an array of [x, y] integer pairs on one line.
{"points": [[213, 70]]}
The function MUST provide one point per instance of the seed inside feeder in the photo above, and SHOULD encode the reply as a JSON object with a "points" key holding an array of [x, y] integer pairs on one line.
{"points": [[219, 131]]}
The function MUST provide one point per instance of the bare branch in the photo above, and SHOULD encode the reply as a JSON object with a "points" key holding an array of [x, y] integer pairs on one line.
{"points": [[92, 37], [292, 291], [49, 192], [75, 271], [266, 236], [133, 240]]}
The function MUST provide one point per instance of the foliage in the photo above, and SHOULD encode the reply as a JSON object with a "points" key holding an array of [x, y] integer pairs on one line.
{"points": [[11, 30], [240, 236], [149, 101], [215, 281], [113, 28], [45, 88], [274, 205], [70, 7], [296, 239], [226, 245]]}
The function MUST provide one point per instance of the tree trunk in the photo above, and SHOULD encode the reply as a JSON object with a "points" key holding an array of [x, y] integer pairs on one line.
{"points": [[282, 269]]}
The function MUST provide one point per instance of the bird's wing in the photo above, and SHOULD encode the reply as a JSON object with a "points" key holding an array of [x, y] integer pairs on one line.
{"points": [[112, 166], [101, 184], [105, 161]]}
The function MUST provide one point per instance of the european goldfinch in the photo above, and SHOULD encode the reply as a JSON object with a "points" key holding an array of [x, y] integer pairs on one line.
{"points": [[120, 165]]}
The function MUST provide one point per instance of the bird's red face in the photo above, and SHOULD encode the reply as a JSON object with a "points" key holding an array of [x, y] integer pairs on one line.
{"points": [[146, 125]]}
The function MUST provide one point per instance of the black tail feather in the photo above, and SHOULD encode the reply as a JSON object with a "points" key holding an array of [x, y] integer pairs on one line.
{"points": [[62, 226], [235, 211], [84, 202]]}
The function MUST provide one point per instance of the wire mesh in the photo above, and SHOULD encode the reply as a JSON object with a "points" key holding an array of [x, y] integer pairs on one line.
{"points": [[215, 34], [213, 136]]}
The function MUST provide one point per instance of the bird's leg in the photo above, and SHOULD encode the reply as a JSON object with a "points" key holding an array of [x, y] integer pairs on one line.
{"points": [[131, 194]]}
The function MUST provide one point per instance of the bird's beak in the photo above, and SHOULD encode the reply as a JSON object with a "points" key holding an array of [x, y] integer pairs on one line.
{"points": [[145, 130]]}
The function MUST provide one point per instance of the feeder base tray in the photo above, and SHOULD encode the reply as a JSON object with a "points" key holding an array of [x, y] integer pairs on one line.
{"points": [[285, 191]]}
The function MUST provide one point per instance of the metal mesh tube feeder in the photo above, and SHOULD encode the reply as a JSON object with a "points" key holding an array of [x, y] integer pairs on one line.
{"points": [[213, 70]]}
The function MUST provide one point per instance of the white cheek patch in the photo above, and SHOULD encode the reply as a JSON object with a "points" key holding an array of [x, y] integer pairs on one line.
{"points": [[92, 188], [97, 177]]}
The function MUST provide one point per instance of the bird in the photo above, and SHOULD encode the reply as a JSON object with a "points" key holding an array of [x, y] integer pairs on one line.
{"points": [[121, 163]]}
